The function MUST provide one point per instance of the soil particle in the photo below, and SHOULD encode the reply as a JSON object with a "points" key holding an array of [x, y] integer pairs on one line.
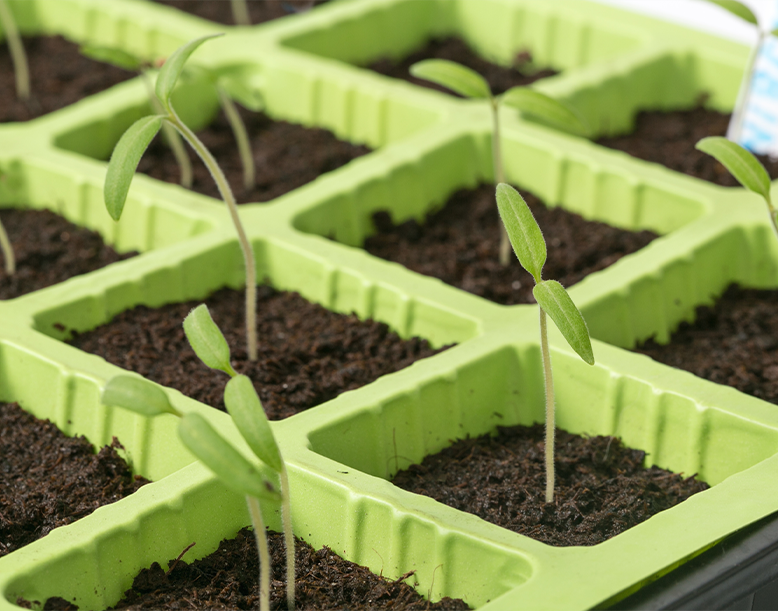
{"points": [[500, 78], [459, 244], [59, 74], [259, 10], [734, 342], [228, 579], [49, 480], [602, 488], [48, 250], [307, 354], [668, 138]]}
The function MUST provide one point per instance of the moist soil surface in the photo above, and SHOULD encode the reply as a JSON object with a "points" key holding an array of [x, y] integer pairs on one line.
{"points": [[60, 76], [500, 78], [459, 244], [307, 354], [734, 342], [48, 479], [286, 156], [602, 488], [48, 250], [668, 138], [259, 10], [228, 579]]}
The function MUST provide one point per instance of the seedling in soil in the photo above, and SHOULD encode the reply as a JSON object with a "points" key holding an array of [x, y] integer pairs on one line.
{"points": [[470, 84], [16, 48], [530, 248], [744, 166], [130, 148], [240, 12], [237, 473], [740, 10], [8, 251]]}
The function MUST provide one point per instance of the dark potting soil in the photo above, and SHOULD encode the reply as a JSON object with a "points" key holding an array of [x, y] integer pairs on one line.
{"points": [[734, 342], [602, 488], [59, 74], [286, 157], [259, 10], [228, 579], [668, 138], [48, 250], [459, 244], [500, 78], [307, 354], [48, 479]]}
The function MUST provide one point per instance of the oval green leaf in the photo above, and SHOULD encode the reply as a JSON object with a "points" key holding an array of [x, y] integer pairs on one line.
{"points": [[740, 162], [738, 9], [452, 75], [137, 395], [207, 340], [523, 230], [171, 70], [545, 108], [553, 298], [124, 161], [246, 409], [237, 473], [110, 55]]}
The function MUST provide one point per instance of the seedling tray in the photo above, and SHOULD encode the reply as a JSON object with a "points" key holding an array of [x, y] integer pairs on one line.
{"points": [[306, 68]]}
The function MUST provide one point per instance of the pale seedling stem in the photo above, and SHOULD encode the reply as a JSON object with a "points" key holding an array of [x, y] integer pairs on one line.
{"points": [[550, 410], [18, 56], [8, 252], [286, 516], [241, 137], [264, 555], [240, 12]]}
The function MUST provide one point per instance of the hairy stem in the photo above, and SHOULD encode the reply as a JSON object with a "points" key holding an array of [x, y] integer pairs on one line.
{"points": [[171, 136], [232, 206], [16, 48], [505, 242], [550, 416], [241, 137], [286, 516], [8, 252], [240, 12], [264, 555], [735, 128]]}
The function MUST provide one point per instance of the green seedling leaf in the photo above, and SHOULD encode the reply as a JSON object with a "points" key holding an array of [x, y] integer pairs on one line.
{"points": [[523, 231], [546, 108], [171, 70], [124, 162], [137, 395], [741, 163], [207, 340], [226, 462], [244, 406], [116, 57], [452, 75], [553, 298], [738, 9]]}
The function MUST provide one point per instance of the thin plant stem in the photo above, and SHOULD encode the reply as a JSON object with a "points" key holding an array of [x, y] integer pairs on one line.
{"points": [[241, 137], [264, 556], [16, 48], [8, 252], [232, 206], [735, 128], [286, 516], [773, 215], [240, 12], [505, 242], [550, 416], [171, 136]]}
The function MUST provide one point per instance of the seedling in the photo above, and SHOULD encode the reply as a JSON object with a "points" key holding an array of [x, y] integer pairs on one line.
{"points": [[470, 84], [530, 248], [130, 148], [734, 132], [16, 48], [237, 473], [744, 166], [240, 12], [8, 252]]}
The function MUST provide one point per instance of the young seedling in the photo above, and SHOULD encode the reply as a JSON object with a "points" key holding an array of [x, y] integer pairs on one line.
{"points": [[8, 252], [744, 166], [470, 84], [212, 449], [16, 48], [530, 248], [240, 12], [135, 141], [735, 129]]}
